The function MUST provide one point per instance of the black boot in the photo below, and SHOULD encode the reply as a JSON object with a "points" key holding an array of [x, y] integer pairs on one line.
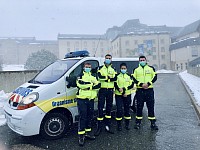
{"points": [[153, 125], [137, 124], [108, 126], [119, 125], [127, 124], [89, 136], [99, 128], [81, 140]]}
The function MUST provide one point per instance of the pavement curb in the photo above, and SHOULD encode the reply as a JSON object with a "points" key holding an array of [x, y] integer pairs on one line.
{"points": [[193, 100]]}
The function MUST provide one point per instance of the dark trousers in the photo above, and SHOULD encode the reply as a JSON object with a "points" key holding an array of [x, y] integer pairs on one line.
{"points": [[86, 112], [123, 106], [105, 95], [145, 95]]}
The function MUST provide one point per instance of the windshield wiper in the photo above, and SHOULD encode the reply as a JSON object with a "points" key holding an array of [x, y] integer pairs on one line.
{"points": [[39, 82]]}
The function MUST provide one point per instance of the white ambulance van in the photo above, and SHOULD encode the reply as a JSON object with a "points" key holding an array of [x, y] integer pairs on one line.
{"points": [[46, 104]]}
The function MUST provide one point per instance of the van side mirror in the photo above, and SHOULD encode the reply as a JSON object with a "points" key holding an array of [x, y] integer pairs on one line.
{"points": [[71, 81]]}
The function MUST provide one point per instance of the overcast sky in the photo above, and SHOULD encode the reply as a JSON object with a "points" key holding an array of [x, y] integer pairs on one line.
{"points": [[44, 19]]}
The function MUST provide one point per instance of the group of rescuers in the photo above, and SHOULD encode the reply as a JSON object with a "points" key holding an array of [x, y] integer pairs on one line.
{"points": [[107, 83]]}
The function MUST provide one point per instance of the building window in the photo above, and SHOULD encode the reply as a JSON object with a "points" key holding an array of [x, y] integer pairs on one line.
{"points": [[186, 65], [162, 41], [127, 43], [194, 52], [154, 57], [163, 57], [154, 49], [181, 66], [77, 44], [162, 49], [136, 42], [93, 44], [85, 44], [177, 67]]}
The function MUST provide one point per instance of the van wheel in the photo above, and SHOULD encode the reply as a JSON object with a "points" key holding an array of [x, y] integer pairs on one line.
{"points": [[54, 126]]}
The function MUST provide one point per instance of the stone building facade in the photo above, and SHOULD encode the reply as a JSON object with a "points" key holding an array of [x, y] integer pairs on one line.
{"points": [[155, 46], [16, 50], [96, 45]]}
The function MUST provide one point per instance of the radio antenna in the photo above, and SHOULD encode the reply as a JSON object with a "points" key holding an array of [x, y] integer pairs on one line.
{"points": [[97, 45]]}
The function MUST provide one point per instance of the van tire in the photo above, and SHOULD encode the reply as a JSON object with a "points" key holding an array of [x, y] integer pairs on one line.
{"points": [[54, 126]]}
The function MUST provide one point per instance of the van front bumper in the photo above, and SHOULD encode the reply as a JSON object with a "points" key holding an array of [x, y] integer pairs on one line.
{"points": [[24, 122]]}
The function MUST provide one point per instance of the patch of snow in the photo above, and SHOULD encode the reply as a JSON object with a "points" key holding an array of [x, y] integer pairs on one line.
{"points": [[13, 67], [165, 71], [193, 83], [3, 98]]}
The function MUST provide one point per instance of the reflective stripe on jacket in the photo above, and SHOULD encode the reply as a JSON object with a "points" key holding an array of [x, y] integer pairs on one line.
{"points": [[108, 73], [144, 75], [124, 81], [87, 86]]}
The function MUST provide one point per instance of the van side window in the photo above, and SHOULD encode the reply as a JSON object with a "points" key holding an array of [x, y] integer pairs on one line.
{"points": [[77, 72]]}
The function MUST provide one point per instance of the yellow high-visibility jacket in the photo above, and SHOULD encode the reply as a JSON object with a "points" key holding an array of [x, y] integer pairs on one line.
{"points": [[87, 85], [144, 74], [124, 81], [107, 76]]}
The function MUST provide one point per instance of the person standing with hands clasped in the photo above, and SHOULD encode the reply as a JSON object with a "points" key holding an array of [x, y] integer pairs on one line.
{"points": [[123, 90], [107, 77], [144, 76], [87, 91]]}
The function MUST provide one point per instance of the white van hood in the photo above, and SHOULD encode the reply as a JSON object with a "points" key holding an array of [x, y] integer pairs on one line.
{"points": [[24, 90]]}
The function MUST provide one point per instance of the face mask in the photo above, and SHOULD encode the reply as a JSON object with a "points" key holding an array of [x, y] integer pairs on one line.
{"points": [[123, 71], [143, 63], [107, 61], [87, 69]]}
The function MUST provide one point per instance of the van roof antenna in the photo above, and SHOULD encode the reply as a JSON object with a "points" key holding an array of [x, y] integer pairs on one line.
{"points": [[97, 45]]}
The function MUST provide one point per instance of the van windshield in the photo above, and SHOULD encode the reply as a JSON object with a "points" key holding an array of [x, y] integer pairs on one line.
{"points": [[54, 71]]}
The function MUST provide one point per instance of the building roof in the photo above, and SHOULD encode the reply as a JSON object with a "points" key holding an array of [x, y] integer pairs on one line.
{"points": [[195, 62], [81, 36], [134, 26], [184, 43], [140, 34], [193, 27]]}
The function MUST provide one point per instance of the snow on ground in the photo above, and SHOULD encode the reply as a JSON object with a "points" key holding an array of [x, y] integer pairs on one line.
{"points": [[165, 71], [3, 98], [192, 81]]}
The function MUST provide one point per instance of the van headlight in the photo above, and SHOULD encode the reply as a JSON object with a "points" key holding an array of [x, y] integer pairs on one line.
{"points": [[28, 101]]}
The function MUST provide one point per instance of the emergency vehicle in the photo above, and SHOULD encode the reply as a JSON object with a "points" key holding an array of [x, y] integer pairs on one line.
{"points": [[47, 104]]}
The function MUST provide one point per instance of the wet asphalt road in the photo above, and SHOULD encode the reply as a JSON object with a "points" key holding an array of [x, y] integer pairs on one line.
{"points": [[176, 118]]}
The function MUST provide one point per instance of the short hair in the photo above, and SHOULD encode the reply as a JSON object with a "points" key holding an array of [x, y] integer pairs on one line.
{"points": [[87, 63], [142, 57], [108, 55], [123, 64]]}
